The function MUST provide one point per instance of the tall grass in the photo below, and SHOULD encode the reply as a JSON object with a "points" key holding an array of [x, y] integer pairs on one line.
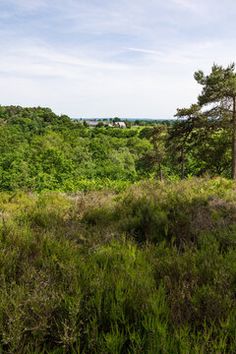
{"points": [[151, 270]]}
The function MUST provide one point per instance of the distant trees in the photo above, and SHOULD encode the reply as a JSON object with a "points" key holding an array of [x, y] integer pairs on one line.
{"points": [[116, 120], [40, 150]]}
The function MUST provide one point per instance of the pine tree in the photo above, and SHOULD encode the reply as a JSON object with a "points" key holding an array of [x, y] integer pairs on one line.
{"points": [[219, 91], [215, 111]]}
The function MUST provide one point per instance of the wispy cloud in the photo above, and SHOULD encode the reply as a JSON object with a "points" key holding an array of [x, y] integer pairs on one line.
{"points": [[191, 5], [26, 5], [146, 51], [105, 57]]}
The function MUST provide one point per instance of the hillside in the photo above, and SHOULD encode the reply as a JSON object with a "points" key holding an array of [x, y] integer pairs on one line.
{"points": [[42, 151], [103, 248], [148, 270]]}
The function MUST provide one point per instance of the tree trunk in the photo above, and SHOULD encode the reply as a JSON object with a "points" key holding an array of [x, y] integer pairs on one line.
{"points": [[234, 140], [182, 163], [160, 172]]}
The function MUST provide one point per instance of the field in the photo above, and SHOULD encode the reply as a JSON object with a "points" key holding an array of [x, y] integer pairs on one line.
{"points": [[150, 269]]}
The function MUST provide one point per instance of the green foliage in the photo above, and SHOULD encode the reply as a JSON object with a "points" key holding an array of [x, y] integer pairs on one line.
{"points": [[110, 267], [207, 135], [150, 270], [40, 150], [176, 212]]}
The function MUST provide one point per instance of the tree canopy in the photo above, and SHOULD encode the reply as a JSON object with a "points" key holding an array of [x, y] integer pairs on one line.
{"points": [[211, 120]]}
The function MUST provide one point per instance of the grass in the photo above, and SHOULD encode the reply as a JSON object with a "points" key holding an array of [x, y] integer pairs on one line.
{"points": [[149, 270]]}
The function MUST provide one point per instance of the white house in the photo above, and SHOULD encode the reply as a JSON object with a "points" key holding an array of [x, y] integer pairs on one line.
{"points": [[120, 124]]}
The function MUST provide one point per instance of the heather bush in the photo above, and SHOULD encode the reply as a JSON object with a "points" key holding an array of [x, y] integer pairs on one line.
{"points": [[176, 212], [149, 270]]}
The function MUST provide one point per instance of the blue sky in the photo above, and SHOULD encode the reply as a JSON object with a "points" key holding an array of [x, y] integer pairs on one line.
{"points": [[105, 58]]}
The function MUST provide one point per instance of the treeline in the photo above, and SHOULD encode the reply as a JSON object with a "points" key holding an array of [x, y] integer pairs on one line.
{"points": [[40, 150], [129, 122]]}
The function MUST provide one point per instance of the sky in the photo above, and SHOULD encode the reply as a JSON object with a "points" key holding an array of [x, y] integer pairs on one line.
{"points": [[107, 58]]}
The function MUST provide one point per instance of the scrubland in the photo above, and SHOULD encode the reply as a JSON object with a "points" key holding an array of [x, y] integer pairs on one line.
{"points": [[150, 269]]}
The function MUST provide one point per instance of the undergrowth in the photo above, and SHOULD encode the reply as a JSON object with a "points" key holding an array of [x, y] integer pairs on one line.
{"points": [[149, 270]]}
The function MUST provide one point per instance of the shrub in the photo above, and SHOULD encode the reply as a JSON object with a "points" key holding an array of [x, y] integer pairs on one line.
{"points": [[149, 270]]}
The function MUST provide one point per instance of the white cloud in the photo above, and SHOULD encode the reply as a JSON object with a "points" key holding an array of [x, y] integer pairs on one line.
{"points": [[126, 58], [191, 5], [146, 51]]}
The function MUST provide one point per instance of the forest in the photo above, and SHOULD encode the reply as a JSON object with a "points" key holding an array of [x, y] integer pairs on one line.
{"points": [[42, 151], [120, 240]]}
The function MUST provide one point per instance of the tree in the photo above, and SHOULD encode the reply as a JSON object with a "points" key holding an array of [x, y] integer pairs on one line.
{"points": [[181, 135], [116, 119], [154, 159], [219, 90], [208, 122]]}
